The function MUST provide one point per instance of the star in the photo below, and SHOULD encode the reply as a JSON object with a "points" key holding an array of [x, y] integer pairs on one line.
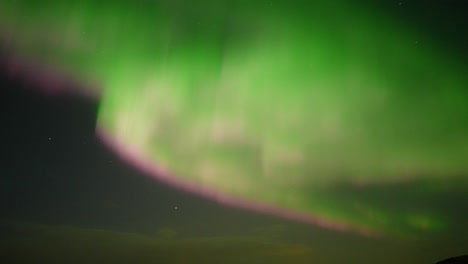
{"points": [[175, 207]]}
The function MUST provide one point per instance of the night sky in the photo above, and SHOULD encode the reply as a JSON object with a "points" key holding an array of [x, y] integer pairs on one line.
{"points": [[66, 196]]}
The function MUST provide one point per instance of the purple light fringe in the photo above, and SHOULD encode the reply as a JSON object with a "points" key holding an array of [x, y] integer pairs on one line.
{"points": [[133, 156]]}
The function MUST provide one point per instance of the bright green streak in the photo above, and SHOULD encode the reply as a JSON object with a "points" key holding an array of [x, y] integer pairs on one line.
{"points": [[268, 102]]}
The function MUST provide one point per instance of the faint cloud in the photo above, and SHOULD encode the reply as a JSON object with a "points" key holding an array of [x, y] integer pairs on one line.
{"points": [[166, 233]]}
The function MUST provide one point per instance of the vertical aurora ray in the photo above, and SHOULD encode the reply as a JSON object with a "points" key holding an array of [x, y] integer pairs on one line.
{"points": [[296, 110]]}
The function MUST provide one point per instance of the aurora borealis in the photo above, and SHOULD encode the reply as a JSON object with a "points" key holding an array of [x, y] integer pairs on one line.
{"points": [[294, 109]]}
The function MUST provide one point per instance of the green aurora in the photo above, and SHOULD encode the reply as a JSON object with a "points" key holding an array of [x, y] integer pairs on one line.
{"points": [[280, 108]]}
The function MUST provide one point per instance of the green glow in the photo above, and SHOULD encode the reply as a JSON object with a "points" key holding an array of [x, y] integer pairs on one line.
{"points": [[268, 102]]}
